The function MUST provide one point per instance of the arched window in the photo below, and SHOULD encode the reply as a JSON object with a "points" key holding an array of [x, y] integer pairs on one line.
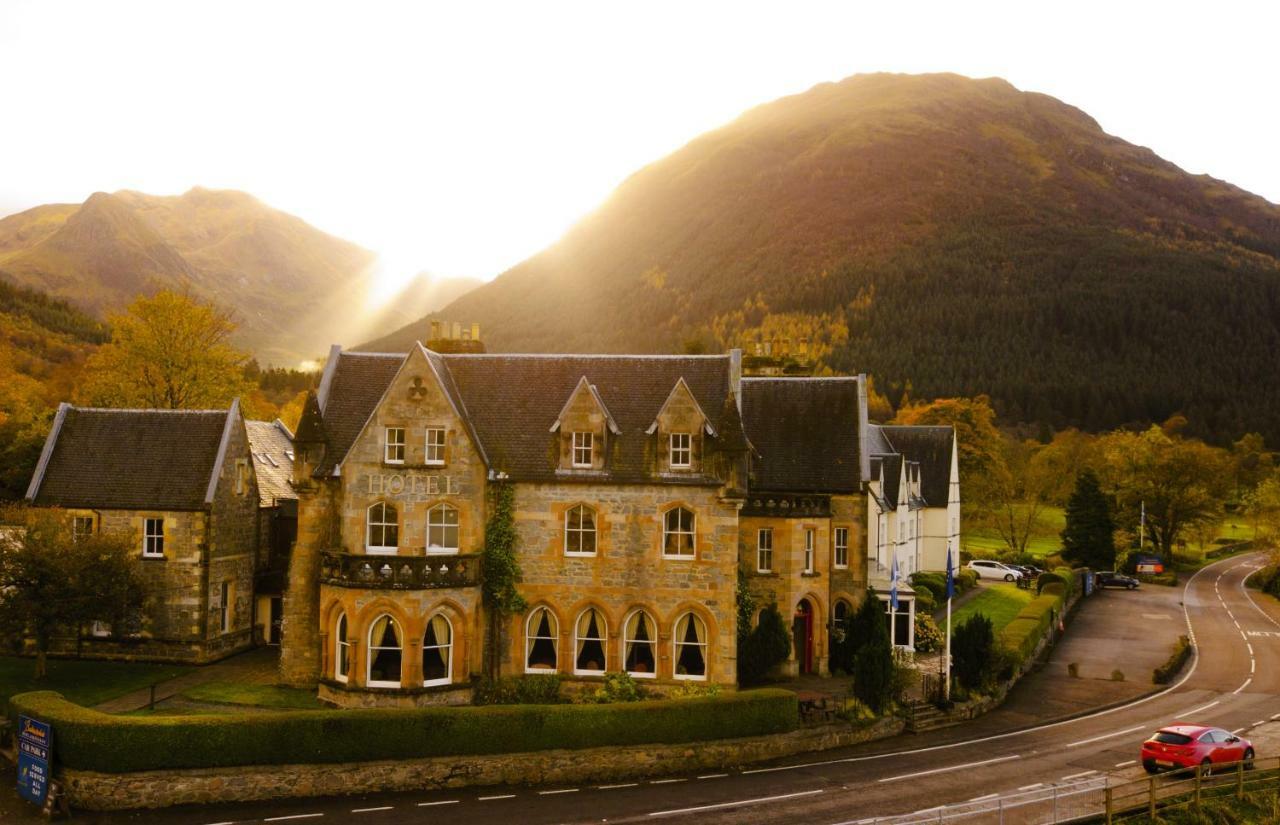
{"points": [[382, 533], [690, 643], [442, 529], [588, 642], [437, 652], [540, 634], [640, 645], [385, 653], [677, 533], [580, 531], [341, 651]]}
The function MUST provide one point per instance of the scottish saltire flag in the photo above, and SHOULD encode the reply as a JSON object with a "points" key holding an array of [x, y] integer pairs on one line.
{"points": [[951, 574], [893, 585]]}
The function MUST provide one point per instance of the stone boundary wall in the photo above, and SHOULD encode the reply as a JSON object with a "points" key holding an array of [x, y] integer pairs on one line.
{"points": [[91, 790]]}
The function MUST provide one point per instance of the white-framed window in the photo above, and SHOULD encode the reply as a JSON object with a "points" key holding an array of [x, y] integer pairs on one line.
{"points": [[153, 538], [689, 647], [764, 550], [341, 651], [442, 529], [809, 538], [541, 636], [435, 446], [242, 476], [82, 526], [382, 529], [224, 607], [589, 634], [583, 443], [437, 652], [386, 654], [640, 645], [100, 629], [841, 541], [677, 533], [681, 450], [393, 451], [580, 531]]}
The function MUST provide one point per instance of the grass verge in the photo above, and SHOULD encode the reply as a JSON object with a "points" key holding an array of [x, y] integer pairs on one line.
{"points": [[81, 681]]}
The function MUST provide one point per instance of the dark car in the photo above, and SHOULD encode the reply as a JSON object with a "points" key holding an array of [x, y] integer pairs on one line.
{"points": [[1110, 578]]}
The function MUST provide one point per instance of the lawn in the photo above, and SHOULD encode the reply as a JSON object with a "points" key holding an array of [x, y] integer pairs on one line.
{"points": [[984, 542], [261, 696], [998, 602], [83, 682]]}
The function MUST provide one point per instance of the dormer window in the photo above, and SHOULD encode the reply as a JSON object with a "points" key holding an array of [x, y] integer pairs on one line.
{"points": [[681, 451], [583, 444], [393, 452], [435, 446]]}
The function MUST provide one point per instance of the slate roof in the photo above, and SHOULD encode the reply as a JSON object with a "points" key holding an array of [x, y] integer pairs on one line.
{"points": [[805, 432], [930, 447], [892, 478], [358, 382], [513, 400], [271, 445], [129, 459]]}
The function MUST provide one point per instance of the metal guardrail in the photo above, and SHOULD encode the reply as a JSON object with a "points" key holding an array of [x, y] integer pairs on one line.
{"points": [[1067, 802]]}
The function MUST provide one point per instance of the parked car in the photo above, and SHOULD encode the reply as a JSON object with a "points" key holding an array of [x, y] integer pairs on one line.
{"points": [[994, 570], [1191, 746], [1110, 578]]}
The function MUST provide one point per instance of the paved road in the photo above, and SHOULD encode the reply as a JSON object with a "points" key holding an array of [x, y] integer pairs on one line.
{"points": [[1233, 683]]}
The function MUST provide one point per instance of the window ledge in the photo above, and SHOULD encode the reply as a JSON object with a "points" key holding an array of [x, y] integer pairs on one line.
{"points": [[679, 558], [579, 555], [812, 575], [154, 558]]}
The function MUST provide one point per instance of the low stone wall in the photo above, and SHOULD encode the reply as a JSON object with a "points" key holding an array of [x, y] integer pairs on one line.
{"points": [[157, 789]]}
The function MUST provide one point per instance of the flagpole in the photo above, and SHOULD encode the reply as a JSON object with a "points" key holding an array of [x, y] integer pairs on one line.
{"points": [[947, 655]]}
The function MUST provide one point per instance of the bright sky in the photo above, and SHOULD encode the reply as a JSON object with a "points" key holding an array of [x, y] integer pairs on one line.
{"points": [[462, 137]]}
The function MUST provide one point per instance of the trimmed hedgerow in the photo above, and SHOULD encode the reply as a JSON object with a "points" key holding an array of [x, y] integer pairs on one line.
{"points": [[90, 740], [1021, 635], [1164, 674]]}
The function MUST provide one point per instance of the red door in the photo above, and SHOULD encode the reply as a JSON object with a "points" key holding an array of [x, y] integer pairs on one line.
{"points": [[804, 636]]}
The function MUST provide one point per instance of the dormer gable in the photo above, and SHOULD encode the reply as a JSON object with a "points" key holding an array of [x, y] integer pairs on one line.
{"points": [[584, 427], [679, 429]]}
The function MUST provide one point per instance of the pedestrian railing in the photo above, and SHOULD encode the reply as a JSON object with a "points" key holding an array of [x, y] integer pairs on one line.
{"points": [[1066, 802], [1154, 796]]}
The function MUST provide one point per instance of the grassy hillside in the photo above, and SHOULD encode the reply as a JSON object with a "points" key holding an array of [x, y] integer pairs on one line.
{"points": [[957, 234]]}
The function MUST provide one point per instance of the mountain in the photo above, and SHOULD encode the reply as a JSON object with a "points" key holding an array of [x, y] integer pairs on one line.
{"points": [[292, 287], [947, 235]]}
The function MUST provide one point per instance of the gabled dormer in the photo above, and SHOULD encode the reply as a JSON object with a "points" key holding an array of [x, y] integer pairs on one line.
{"points": [[583, 429], [679, 430]]}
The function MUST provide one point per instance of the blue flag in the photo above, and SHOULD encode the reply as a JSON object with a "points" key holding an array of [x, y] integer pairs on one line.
{"points": [[893, 585], [951, 575]]}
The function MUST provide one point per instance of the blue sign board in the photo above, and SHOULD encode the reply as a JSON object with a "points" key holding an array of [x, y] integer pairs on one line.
{"points": [[35, 744]]}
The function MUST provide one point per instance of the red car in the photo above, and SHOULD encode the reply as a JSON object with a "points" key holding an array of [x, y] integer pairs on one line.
{"points": [[1189, 746]]}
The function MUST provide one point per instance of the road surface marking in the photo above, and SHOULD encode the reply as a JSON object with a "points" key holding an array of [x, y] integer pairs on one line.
{"points": [[665, 781], [370, 810], [1197, 710], [499, 796], [293, 816], [1275, 716], [1252, 665], [1080, 775], [981, 798], [713, 776], [1237, 730], [1246, 644], [1031, 787], [1242, 687], [1107, 736], [1259, 722], [560, 790], [950, 768], [441, 802], [1126, 764], [611, 787], [755, 801]]}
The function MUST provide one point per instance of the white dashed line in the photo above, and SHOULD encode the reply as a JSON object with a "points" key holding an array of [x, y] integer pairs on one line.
{"points": [[1246, 644], [441, 802], [1237, 730], [1197, 710], [755, 801], [1080, 775], [1107, 736], [1242, 687], [950, 768], [499, 796], [370, 810], [1126, 764], [665, 781], [1031, 787], [1252, 665], [981, 798], [294, 816], [623, 785], [1259, 722], [560, 790], [713, 776]]}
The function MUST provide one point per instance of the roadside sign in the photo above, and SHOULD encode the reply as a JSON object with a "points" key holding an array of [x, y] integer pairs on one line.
{"points": [[35, 744], [1149, 564]]}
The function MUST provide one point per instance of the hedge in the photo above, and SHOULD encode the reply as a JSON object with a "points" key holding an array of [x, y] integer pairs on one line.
{"points": [[1164, 674], [90, 740], [1021, 635]]}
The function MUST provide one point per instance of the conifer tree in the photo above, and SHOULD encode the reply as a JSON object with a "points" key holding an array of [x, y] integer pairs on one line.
{"points": [[1088, 538]]}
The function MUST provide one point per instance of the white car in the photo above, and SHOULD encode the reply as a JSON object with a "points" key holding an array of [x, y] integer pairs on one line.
{"points": [[994, 570]]}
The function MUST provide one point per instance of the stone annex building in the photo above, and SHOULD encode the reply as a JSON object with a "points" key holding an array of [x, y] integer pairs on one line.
{"points": [[642, 486]]}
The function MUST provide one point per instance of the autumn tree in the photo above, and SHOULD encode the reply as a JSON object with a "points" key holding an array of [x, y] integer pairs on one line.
{"points": [[53, 582], [1018, 492], [979, 445], [1262, 506], [167, 351], [1181, 482]]}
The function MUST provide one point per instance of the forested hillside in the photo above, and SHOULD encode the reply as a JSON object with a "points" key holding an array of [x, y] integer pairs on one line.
{"points": [[949, 235]]}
